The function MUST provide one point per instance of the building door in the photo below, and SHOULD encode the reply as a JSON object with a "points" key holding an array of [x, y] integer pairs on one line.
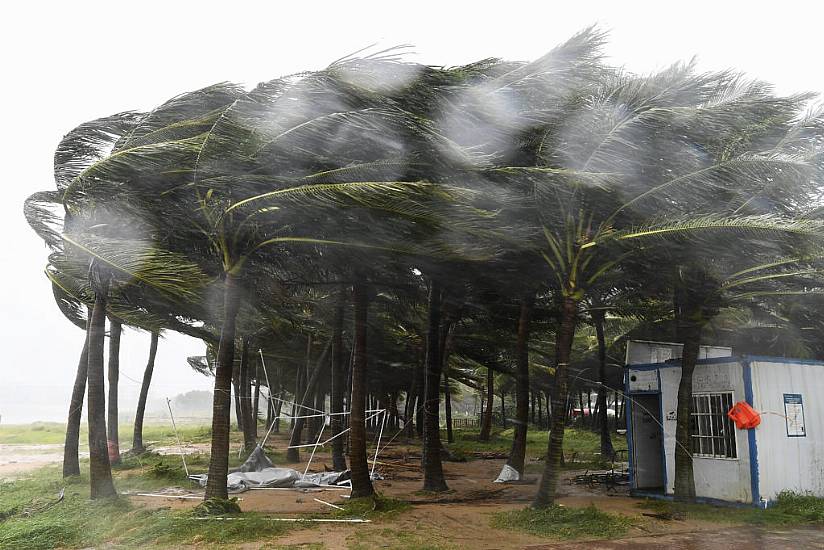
{"points": [[647, 443]]}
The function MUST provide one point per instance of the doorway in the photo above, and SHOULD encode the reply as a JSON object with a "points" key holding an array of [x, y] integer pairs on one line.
{"points": [[647, 442]]}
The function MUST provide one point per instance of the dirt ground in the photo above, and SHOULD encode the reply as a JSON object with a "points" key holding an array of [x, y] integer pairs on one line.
{"points": [[17, 460], [460, 518]]}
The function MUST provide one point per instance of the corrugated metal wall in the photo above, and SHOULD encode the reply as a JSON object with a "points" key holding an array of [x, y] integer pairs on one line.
{"points": [[784, 462]]}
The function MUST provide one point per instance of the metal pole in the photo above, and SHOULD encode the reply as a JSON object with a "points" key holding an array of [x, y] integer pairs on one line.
{"points": [[179, 444], [323, 426], [378, 446]]}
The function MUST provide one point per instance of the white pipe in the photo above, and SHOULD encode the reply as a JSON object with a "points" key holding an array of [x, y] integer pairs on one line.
{"points": [[336, 507], [312, 456]]}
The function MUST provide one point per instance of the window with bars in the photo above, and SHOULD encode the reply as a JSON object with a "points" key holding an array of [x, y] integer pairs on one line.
{"points": [[712, 431]]}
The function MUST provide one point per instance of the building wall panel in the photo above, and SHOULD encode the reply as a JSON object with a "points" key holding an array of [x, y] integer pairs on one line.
{"points": [[717, 478], [785, 462]]}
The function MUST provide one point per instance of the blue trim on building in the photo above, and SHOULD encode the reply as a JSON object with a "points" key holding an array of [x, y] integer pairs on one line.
{"points": [[628, 418], [753, 444], [663, 432], [730, 359]]}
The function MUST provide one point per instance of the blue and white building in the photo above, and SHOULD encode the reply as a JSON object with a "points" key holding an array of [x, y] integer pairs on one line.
{"points": [[784, 453]]}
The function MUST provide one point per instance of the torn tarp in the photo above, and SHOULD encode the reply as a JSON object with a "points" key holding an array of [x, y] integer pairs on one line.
{"points": [[259, 472], [508, 474]]}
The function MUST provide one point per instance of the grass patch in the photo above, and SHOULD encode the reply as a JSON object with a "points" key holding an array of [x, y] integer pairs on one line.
{"points": [[585, 445], [216, 507], [788, 509], [560, 522], [374, 507], [37, 433], [30, 517], [394, 538], [44, 433]]}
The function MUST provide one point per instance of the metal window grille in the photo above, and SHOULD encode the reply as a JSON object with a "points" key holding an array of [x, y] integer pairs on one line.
{"points": [[711, 430]]}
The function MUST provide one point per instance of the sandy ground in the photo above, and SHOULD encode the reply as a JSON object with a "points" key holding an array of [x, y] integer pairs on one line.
{"points": [[460, 518], [18, 460]]}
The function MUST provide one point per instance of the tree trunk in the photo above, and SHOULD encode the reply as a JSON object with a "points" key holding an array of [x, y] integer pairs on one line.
{"points": [[517, 454], [394, 413], [247, 423], [445, 343], [419, 399], [292, 454], [590, 420], [236, 394], [336, 389], [361, 482], [503, 408], [137, 441], [433, 478], [409, 405], [486, 427], [607, 450], [222, 403], [100, 471], [256, 402], [448, 407], [540, 400], [71, 460], [115, 330], [690, 336], [278, 406], [566, 333]]}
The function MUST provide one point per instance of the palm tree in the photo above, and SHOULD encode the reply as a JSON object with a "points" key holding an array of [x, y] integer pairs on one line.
{"points": [[137, 440], [71, 457], [115, 329], [100, 473]]}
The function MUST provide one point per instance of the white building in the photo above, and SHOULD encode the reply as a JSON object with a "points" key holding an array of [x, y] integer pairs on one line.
{"points": [[784, 452]]}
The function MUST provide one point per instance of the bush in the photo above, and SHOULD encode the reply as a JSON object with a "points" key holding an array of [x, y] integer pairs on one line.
{"points": [[808, 507]]}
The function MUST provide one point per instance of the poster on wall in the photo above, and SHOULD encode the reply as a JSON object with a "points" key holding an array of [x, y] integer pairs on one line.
{"points": [[794, 413]]}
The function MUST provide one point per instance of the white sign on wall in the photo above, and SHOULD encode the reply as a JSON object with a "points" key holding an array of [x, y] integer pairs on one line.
{"points": [[643, 380], [794, 413]]}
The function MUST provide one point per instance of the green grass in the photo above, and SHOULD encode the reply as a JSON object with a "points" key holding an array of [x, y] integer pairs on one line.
{"points": [[38, 433], [375, 507], [564, 523], [788, 509], [29, 518], [43, 433], [395, 538], [584, 444]]}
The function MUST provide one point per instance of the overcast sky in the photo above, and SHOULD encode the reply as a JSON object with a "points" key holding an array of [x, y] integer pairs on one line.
{"points": [[70, 62]]}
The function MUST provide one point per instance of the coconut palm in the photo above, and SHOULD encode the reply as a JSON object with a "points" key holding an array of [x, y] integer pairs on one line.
{"points": [[137, 439]]}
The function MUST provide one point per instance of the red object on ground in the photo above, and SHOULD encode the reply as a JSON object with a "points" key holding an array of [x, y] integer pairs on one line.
{"points": [[744, 416]]}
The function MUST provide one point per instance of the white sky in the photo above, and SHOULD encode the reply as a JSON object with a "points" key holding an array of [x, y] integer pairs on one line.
{"points": [[69, 62]]}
